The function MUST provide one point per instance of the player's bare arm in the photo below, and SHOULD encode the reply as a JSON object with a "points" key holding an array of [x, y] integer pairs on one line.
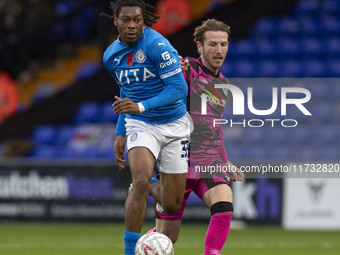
{"points": [[118, 150], [125, 105]]}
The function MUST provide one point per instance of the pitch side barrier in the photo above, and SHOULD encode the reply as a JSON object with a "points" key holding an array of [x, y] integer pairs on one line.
{"points": [[96, 191]]}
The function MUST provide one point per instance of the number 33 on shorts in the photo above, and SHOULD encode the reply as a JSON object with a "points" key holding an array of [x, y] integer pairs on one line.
{"points": [[185, 148]]}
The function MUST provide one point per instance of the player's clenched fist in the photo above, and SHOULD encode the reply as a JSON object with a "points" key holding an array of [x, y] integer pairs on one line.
{"points": [[125, 105]]}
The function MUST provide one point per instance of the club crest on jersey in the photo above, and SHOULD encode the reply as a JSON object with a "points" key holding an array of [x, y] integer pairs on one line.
{"points": [[133, 137], [129, 59], [140, 56]]}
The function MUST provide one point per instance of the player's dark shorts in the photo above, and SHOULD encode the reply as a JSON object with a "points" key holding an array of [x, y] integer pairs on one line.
{"points": [[199, 186]]}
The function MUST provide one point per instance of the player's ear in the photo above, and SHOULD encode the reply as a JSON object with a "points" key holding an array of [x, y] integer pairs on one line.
{"points": [[199, 47], [115, 22]]}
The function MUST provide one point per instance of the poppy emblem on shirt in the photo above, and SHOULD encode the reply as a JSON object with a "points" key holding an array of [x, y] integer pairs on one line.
{"points": [[129, 59]]}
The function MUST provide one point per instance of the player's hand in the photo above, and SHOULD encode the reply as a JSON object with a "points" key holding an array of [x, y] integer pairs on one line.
{"points": [[233, 172], [118, 150], [184, 64], [125, 105]]}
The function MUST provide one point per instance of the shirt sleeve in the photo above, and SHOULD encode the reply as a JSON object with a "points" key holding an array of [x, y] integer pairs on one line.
{"points": [[165, 57]]}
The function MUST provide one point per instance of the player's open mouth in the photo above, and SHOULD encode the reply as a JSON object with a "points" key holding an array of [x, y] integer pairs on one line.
{"points": [[131, 35]]}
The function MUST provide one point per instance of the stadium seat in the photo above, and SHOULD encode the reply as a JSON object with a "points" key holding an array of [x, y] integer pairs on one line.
{"points": [[265, 27], [309, 26], [327, 154], [63, 7], [268, 68], [245, 68], [333, 67], [313, 47], [279, 153], [107, 114], [88, 112], [65, 152], [309, 7], [244, 48], [44, 152], [43, 91], [87, 70], [291, 68], [289, 47], [333, 47], [253, 135], [44, 134], [319, 90], [266, 48], [330, 6], [331, 25], [315, 68], [322, 112], [288, 26], [64, 134]]}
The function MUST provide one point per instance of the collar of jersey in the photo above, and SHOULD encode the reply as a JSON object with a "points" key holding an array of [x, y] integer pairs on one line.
{"points": [[207, 70]]}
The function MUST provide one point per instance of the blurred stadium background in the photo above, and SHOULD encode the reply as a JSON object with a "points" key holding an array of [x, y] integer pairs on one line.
{"points": [[57, 125]]}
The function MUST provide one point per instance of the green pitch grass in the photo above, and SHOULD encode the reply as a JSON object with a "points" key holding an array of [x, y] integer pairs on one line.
{"points": [[100, 239]]}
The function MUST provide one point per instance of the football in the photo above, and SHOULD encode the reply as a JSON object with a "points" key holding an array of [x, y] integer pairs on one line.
{"points": [[154, 244]]}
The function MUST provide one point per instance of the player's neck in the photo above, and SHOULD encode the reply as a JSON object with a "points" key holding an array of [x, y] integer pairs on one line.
{"points": [[208, 66]]}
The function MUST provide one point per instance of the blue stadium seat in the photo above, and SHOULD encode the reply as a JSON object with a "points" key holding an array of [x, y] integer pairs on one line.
{"points": [[327, 154], [276, 135], [319, 90], [44, 134], [244, 48], [65, 153], [279, 153], [228, 69], [315, 68], [244, 68], [333, 47], [268, 68], [44, 152], [313, 47], [288, 27], [289, 47], [330, 6], [307, 7], [236, 153], [63, 7], [291, 68], [64, 134], [253, 135], [87, 70], [266, 48], [256, 153], [265, 27], [333, 67], [310, 26], [88, 112], [322, 112], [43, 91], [331, 25], [326, 135], [107, 114]]}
